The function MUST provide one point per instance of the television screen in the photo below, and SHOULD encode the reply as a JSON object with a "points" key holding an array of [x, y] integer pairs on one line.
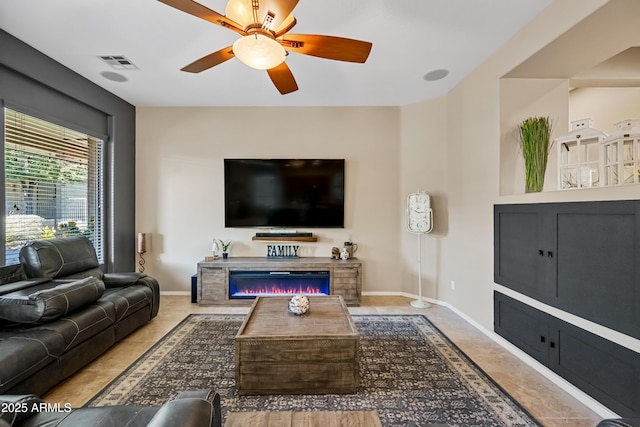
{"points": [[284, 193]]}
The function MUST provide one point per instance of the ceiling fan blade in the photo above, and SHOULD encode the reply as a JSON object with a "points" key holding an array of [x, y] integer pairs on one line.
{"points": [[196, 9], [283, 79], [329, 47], [210, 60]]}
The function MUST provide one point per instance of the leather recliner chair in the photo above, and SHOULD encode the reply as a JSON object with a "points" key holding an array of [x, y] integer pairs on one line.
{"points": [[191, 408]]}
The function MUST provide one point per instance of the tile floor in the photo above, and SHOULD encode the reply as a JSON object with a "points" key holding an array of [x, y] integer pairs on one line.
{"points": [[544, 400]]}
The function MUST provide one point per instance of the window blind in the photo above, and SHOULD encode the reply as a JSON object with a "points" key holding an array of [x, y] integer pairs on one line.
{"points": [[53, 183]]}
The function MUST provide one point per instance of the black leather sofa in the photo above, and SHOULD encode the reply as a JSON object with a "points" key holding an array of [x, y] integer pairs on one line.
{"points": [[59, 311], [192, 408]]}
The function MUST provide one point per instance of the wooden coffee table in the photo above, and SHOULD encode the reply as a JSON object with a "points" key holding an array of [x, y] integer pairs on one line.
{"points": [[280, 353], [307, 419]]}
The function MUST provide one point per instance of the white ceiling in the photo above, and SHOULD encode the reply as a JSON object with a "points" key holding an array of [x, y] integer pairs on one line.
{"points": [[410, 38]]}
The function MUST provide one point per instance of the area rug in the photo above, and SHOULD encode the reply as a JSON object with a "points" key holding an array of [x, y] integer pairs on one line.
{"points": [[410, 373]]}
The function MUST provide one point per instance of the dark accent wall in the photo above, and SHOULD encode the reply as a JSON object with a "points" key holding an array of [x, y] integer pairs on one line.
{"points": [[36, 84]]}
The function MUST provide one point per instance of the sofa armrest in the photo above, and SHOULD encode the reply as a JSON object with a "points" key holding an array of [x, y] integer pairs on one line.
{"points": [[620, 422], [152, 284], [121, 280], [14, 409], [190, 408], [204, 394]]}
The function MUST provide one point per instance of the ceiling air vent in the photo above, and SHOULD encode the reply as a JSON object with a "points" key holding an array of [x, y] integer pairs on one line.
{"points": [[118, 62]]}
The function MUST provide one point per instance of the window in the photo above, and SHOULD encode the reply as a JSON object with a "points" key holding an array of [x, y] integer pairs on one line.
{"points": [[53, 184]]}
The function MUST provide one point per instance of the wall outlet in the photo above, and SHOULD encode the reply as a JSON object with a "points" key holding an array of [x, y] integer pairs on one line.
{"points": [[453, 285]]}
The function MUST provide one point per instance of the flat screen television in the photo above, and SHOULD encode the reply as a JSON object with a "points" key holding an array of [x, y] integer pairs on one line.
{"points": [[284, 193]]}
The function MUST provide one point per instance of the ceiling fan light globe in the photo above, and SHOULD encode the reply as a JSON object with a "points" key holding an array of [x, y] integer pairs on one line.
{"points": [[240, 11], [259, 52]]}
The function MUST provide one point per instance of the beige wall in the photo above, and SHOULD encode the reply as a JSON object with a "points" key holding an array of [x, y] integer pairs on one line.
{"points": [[605, 106], [180, 154], [423, 154]]}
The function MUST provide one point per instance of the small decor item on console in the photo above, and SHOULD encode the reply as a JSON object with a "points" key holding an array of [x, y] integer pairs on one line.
{"points": [[344, 254], [282, 251], [225, 248], [335, 253], [351, 248], [299, 305], [215, 248]]}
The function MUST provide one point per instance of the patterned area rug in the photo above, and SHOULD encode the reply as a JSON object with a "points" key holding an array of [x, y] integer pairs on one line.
{"points": [[410, 373]]}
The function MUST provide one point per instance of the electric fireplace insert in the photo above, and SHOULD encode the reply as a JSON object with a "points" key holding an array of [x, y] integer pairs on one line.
{"points": [[251, 283]]}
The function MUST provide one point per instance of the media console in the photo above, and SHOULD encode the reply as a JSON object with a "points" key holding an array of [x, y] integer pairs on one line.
{"points": [[345, 276]]}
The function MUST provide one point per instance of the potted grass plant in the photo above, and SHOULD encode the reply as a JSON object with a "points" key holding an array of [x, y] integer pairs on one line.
{"points": [[534, 135]]}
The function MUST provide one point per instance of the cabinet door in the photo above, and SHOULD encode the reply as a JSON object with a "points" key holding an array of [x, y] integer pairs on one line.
{"points": [[522, 325], [346, 282], [213, 285], [605, 370], [519, 248], [596, 274]]}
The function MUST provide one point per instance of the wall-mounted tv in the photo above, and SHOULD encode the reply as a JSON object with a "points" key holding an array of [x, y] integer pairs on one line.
{"points": [[284, 193]]}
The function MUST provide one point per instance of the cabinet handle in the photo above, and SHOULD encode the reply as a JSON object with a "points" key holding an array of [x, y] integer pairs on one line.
{"points": [[552, 344], [540, 252], [550, 254], [542, 339]]}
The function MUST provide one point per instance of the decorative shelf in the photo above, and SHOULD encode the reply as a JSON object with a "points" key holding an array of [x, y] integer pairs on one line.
{"points": [[286, 238]]}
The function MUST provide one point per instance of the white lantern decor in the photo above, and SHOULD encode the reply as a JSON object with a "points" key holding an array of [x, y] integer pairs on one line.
{"points": [[620, 154], [579, 156]]}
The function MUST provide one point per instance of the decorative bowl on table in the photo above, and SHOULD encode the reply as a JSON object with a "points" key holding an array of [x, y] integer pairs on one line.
{"points": [[299, 305]]}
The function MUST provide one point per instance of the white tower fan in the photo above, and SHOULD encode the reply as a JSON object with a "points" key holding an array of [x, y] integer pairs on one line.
{"points": [[419, 221]]}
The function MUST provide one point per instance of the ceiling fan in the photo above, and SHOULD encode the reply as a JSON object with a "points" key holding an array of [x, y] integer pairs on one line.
{"points": [[264, 26]]}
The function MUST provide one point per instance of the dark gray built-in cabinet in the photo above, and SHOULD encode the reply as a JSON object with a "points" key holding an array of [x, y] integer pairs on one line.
{"points": [[606, 371], [582, 258]]}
